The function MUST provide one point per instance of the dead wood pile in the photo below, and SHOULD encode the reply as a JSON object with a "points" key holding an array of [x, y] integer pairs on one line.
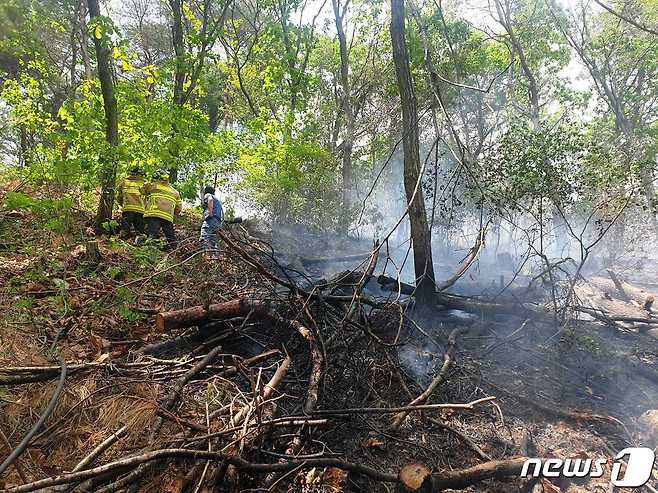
{"points": [[258, 386]]}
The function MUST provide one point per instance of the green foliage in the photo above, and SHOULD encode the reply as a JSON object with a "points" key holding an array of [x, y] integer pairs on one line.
{"points": [[124, 300], [264, 114], [563, 164], [292, 178], [54, 214], [148, 255]]}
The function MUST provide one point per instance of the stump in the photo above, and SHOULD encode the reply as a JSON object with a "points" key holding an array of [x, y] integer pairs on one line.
{"points": [[93, 254]]}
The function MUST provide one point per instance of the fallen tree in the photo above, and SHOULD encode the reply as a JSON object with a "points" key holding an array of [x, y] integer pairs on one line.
{"points": [[439, 481]]}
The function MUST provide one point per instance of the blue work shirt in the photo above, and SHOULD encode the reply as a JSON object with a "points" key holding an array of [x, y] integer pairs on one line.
{"points": [[217, 210]]}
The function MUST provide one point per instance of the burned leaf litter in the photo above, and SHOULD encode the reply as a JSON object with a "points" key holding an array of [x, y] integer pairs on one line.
{"points": [[291, 382]]}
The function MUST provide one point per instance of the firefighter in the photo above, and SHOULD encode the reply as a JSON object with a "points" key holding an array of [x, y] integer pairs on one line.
{"points": [[132, 203], [213, 215], [161, 203]]}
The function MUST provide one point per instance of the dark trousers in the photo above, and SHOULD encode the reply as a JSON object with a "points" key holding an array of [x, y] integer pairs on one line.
{"points": [[155, 224], [132, 219]]}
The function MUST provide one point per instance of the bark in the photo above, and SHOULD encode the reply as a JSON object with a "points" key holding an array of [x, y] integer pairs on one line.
{"points": [[505, 19], [195, 315], [179, 49], [108, 170], [179, 70], [84, 40], [420, 233], [348, 139], [25, 157], [462, 478]]}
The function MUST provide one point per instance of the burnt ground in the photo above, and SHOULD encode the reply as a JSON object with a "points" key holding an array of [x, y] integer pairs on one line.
{"points": [[56, 305]]}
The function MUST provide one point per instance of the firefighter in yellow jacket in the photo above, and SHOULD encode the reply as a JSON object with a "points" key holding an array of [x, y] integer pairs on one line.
{"points": [[161, 203], [132, 203]]}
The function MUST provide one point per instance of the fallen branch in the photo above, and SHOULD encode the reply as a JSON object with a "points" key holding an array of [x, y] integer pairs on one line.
{"points": [[459, 302], [35, 428], [439, 481], [455, 479], [462, 478], [604, 317], [392, 410], [265, 395], [463, 437], [100, 449], [338, 258], [290, 285], [237, 462], [448, 362], [468, 261]]}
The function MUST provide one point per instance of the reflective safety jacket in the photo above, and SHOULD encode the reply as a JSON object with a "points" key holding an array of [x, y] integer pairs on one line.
{"points": [[130, 194], [161, 200]]}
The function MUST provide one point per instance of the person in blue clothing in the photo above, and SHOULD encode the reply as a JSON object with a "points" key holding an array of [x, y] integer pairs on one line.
{"points": [[213, 216]]}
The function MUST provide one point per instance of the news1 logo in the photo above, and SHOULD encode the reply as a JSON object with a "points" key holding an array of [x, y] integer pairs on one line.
{"points": [[639, 464]]}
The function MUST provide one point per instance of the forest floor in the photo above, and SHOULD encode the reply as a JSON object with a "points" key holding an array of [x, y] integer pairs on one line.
{"points": [[577, 394]]}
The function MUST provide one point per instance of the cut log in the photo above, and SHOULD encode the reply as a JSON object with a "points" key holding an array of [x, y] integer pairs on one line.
{"points": [[187, 317], [649, 423], [462, 478], [415, 477]]}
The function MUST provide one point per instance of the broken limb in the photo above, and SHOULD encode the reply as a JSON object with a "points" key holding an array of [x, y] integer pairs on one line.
{"points": [[339, 258], [448, 362], [20, 448], [460, 302], [462, 436], [618, 285], [100, 449], [469, 406], [468, 261], [455, 479], [607, 318], [174, 394], [265, 394], [287, 284]]}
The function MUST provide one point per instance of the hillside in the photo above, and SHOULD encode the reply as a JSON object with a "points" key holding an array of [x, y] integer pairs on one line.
{"points": [[280, 389]]}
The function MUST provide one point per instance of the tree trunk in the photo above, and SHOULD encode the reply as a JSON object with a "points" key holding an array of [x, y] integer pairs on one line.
{"points": [[420, 233], [348, 139], [179, 49], [84, 40], [177, 38], [25, 159], [108, 170]]}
